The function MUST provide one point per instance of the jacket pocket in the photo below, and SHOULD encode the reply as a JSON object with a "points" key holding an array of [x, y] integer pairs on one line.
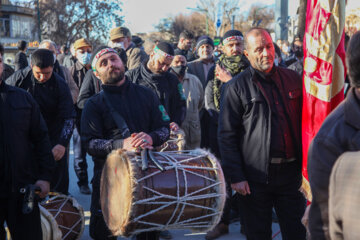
{"points": [[253, 104], [293, 94]]}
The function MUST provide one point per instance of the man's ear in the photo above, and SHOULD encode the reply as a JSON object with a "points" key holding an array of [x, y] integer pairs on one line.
{"points": [[246, 53], [152, 55], [97, 74]]}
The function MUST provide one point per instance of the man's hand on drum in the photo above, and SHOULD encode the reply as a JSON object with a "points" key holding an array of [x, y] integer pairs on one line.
{"points": [[174, 127], [142, 140], [44, 186], [241, 187]]}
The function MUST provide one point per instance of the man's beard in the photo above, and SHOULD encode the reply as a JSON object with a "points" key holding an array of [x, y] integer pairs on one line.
{"points": [[114, 77], [152, 68], [206, 56]]}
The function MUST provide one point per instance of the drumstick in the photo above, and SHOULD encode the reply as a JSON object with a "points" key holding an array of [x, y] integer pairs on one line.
{"points": [[155, 161], [144, 159]]}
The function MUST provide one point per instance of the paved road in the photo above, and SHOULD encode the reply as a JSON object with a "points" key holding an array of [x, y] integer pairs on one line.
{"points": [[84, 200]]}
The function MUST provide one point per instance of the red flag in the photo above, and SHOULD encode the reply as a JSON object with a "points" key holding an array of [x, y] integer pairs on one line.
{"points": [[324, 66]]}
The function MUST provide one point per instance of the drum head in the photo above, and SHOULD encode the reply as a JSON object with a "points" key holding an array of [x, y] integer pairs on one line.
{"points": [[116, 191], [49, 226]]}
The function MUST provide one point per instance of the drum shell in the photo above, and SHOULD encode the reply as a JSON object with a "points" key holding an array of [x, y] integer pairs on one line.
{"points": [[176, 183], [58, 213]]}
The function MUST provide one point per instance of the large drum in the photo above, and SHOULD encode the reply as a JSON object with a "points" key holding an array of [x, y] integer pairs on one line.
{"points": [[61, 218], [189, 194]]}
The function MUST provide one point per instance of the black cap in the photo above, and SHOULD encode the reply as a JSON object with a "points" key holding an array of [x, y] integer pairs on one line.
{"points": [[204, 40], [232, 33], [166, 48]]}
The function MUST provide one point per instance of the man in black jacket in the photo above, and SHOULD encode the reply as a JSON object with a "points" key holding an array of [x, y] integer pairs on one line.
{"points": [[146, 124], [53, 96], [339, 133], [184, 45], [21, 61], [260, 141], [7, 70], [25, 158], [154, 75]]}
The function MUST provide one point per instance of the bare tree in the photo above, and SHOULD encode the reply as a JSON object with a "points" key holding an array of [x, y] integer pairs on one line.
{"points": [[261, 16], [302, 18], [64, 21]]}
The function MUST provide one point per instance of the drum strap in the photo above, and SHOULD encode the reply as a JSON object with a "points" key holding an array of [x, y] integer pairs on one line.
{"points": [[119, 120]]}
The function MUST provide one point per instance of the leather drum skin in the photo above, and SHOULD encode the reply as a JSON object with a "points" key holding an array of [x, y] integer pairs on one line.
{"points": [[189, 194]]}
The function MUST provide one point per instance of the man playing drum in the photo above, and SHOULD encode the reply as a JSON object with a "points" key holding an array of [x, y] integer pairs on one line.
{"points": [[124, 115]]}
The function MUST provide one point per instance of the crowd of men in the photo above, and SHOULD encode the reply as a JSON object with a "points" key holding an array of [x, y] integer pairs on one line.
{"points": [[244, 105]]}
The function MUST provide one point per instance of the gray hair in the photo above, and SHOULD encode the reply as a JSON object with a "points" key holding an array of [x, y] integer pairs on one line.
{"points": [[41, 45]]}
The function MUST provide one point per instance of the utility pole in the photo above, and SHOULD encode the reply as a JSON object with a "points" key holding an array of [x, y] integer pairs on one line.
{"points": [[38, 16], [233, 22], [281, 19]]}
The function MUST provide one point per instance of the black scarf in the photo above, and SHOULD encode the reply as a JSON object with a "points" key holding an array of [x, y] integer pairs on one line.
{"points": [[153, 81]]}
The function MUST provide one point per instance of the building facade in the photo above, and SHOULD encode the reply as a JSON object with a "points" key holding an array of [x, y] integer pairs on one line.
{"points": [[16, 23]]}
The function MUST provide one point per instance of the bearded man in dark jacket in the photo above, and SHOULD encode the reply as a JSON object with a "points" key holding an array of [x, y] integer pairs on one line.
{"points": [[260, 141], [146, 125], [52, 94], [155, 76]]}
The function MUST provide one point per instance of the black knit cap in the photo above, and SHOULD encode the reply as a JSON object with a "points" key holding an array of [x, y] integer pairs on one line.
{"points": [[166, 48], [232, 33], [204, 40]]}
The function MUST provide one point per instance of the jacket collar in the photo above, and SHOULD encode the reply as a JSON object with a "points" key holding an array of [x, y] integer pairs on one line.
{"points": [[262, 75], [150, 76], [79, 66], [352, 109], [117, 89]]}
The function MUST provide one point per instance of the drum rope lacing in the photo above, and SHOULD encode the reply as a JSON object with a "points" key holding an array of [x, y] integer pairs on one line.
{"points": [[58, 211], [179, 200], [171, 141]]}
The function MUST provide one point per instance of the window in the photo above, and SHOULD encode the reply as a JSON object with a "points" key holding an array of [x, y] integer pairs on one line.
{"points": [[21, 27], [4, 26]]}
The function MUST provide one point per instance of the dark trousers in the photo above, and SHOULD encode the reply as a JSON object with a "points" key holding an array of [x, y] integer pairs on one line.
{"points": [[282, 193], [80, 164], [148, 236], [60, 179], [97, 228], [225, 218], [21, 226]]}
